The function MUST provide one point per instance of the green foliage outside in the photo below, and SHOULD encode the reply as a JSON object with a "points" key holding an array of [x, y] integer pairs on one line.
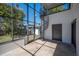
{"points": [[56, 9], [10, 17]]}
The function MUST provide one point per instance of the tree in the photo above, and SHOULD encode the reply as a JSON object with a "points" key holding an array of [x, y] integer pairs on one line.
{"points": [[9, 13]]}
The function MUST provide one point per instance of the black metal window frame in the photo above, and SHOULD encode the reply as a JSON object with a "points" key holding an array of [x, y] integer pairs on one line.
{"points": [[34, 8], [34, 19], [26, 20]]}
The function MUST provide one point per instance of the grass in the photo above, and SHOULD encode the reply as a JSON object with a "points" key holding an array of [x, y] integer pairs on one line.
{"points": [[8, 37], [5, 38]]}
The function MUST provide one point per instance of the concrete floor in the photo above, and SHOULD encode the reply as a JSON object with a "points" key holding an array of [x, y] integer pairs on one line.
{"points": [[36, 48]]}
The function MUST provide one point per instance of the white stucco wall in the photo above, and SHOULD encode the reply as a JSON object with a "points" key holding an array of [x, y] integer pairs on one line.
{"points": [[77, 37], [65, 18]]}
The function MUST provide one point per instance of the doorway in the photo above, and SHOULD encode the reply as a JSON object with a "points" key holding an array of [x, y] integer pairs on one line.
{"points": [[74, 33], [57, 32]]}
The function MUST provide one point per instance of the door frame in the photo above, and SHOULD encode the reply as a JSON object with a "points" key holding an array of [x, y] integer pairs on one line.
{"points": [[74, 43], [61, 31]]}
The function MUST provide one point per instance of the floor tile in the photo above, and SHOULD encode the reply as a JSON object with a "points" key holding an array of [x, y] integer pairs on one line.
{"points": [[51, 44], [45, 51], [40, 41], [32, 47], [17, 52]]}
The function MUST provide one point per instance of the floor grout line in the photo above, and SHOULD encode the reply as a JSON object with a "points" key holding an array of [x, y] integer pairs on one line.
{"points": [[45, 45], [24, 49], [39, 48]]}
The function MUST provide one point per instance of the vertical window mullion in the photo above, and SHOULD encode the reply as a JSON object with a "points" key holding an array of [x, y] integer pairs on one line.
{"points": [[34, 19], [27, 25], [12, 21]]}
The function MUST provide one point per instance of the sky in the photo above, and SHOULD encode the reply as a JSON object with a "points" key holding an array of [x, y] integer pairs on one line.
{"points": [[31, 12], [66, 6]]}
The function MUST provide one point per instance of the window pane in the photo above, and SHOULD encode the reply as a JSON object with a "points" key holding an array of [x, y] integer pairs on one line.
{"points": [[23, 7], [54, 10], [60, 8], [5, 23], [42, 8], [31, 5], [50, 11], [19, 24], [37, 17], [66, 6], [37, 25], [31, 14], [38, 6], [31, 24]]}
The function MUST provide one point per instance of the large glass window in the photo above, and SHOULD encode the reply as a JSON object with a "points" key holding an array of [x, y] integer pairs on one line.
{"points": [[38, 7], [15, 21], [37, 25], [31, 24], [5, 23], [31, 5], [19, 22], [66, 6], [60, 8]]}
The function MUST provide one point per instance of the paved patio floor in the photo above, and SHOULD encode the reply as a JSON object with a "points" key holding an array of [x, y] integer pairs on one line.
{"points": [[36, 48]]}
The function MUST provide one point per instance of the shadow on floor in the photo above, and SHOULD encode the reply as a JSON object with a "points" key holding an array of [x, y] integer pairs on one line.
{"points": [[38, 47], [64, 50]]}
